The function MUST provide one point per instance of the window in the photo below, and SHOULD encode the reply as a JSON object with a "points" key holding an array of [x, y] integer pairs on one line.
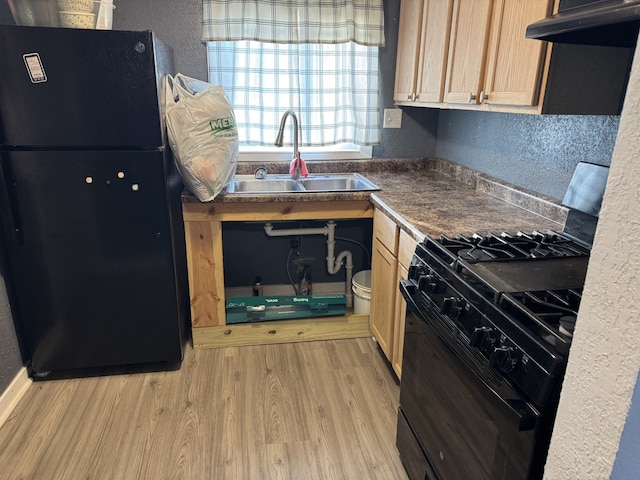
{"points": [[333, 88], [318, 58]]}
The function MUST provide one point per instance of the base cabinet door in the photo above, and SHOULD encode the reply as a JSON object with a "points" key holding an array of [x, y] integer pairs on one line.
{"points": [[391, 256], [406, 248], [384, 263], [383, 288], [400, 308]]}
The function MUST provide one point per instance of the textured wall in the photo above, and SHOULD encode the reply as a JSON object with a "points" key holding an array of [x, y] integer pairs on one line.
{"points": [[605, 354], [10, 361], [537, 152]]}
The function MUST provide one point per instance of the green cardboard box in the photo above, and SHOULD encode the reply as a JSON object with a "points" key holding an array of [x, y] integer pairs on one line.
{"points": [[283, 307]]}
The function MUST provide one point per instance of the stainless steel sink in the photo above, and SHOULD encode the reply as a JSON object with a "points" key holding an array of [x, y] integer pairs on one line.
{"points": [[266, 185], [337, 183], [326, 182]]}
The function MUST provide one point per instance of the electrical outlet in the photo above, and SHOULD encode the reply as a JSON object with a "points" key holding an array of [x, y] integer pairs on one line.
{"points": [[392, 118]]}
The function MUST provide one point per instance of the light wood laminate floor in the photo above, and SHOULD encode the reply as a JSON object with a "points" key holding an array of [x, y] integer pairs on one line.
{"points": [[312, 410]]}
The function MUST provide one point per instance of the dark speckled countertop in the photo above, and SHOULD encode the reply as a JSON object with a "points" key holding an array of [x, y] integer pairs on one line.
{"points": [[428, 197]]}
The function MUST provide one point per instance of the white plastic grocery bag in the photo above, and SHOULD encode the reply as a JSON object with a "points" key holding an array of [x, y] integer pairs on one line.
{"points": [[202, 133]]}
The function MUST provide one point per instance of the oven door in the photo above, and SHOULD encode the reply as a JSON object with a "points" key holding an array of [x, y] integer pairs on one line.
{"points": [[464, 427]]}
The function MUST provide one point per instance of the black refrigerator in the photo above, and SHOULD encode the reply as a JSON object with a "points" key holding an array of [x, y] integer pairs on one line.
{"points": [[90, 203]]}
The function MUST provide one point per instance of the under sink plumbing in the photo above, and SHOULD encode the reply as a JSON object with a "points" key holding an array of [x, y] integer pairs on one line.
{"points": [[334, 263]]}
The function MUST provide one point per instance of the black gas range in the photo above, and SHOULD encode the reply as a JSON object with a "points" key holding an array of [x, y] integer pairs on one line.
{"points": [[489, 324], [515, 298]]}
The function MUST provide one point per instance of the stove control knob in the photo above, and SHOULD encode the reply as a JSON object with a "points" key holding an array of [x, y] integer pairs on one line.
{"points": [[483, 338], [451, 306], [427, 283], [503, 359], [417, 271]]}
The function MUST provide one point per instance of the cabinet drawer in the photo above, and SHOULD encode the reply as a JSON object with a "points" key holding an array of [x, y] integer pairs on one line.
{"points": [[386, 231], [406, 248]]}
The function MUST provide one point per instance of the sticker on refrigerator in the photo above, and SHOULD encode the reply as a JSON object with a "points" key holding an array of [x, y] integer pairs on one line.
{"points": [[34, 67]]}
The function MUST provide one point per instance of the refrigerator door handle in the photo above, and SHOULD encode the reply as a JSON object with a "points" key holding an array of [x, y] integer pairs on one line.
{"points": [[9, 200]]}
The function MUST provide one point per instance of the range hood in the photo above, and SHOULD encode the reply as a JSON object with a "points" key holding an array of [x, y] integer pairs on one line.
{"points": [[599, 22]]}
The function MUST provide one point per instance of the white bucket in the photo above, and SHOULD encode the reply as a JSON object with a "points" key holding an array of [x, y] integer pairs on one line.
{"points": [[361, 286]]}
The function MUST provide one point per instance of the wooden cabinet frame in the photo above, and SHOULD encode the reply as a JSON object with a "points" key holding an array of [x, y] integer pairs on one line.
{"points": [[203, 234]]}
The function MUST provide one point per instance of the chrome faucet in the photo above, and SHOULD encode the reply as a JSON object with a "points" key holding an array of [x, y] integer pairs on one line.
{"points": [[297, 161]]}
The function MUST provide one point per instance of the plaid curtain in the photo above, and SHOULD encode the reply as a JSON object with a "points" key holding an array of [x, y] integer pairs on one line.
{"points": [[294, 21], [332, 88], [316, 57]]}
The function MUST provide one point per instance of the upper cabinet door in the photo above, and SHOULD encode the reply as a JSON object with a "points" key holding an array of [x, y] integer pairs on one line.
{"points": [[434, 45], [409, 30], [467, 50], [473, 55], [515, 63]]}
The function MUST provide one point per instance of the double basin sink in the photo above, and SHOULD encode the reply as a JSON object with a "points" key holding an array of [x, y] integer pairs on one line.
{"points": [[325, 182]]}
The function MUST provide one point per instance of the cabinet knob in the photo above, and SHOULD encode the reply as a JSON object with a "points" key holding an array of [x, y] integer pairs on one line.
{"points": [[484, 97], [471, 98]]}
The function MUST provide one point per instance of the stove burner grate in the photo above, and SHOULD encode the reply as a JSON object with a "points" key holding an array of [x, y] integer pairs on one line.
{"points": [[504, 247], [551, 314]]}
